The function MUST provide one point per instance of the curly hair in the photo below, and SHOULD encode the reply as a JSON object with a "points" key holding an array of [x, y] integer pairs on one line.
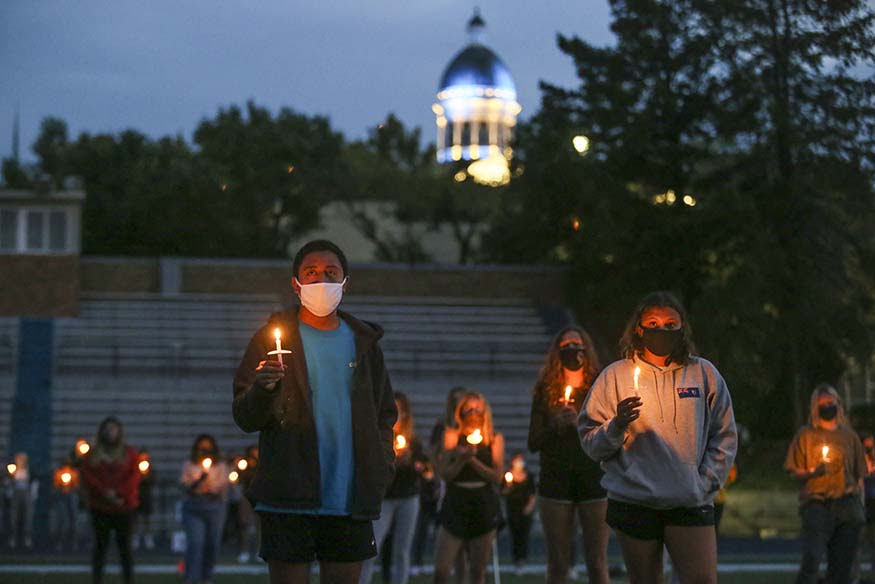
{"points": [[551, 378], [631, 343]]}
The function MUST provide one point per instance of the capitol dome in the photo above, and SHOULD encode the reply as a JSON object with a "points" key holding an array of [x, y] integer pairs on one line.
{"points": [[477, 105]]}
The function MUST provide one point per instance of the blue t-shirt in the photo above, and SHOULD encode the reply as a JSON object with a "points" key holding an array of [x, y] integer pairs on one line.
{"points": [[330, 359]]}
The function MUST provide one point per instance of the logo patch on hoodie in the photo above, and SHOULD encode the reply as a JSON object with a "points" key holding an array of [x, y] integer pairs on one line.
{"points": [[688, 392]]}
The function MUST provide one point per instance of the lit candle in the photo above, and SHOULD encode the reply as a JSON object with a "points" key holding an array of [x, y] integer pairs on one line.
{"points": [[825, 452], [400, 442], [11, 468], [242, 464], [83, 447], [568, 390], [233, 476], [143, 466], [635, 379], [508, 476], [207, 463], [279, 352], [475, 437], [66, 478]]}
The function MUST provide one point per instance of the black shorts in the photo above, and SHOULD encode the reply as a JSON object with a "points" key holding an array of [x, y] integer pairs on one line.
{"points": [[287, 537], [646, 523]]}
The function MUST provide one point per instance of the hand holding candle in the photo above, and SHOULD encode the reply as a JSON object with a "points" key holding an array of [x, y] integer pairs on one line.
{"points": [[475, 437]]}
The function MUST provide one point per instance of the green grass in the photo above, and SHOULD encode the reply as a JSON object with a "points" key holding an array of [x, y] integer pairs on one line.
{"points": [[743, 578]]}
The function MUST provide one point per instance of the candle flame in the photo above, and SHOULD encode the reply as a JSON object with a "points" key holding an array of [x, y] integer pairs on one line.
{"points": [[276, 334], [233, 476], [636, 375], [11, 468], [567, 393], [508, 476], [143, 466], [83, 447], [242, 464], [825, 451], [207, 463], [400, 441], [475, 437], [66, 478]]}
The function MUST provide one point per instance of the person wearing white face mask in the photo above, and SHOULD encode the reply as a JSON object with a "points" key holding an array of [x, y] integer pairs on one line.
{"points": [[325, 415]]}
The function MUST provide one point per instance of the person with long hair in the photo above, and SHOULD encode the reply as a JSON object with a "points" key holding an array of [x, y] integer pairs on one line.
{"points": [[204, 481], [471, 461], [569, 484], [111, 478], [827, 458], [401, 503], [660, 422]]}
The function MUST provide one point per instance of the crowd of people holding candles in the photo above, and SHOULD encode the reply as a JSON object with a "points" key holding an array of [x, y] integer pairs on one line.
{"points": [[638, 449]]}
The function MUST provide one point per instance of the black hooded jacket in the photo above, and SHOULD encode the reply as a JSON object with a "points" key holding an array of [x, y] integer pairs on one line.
{"points": [[288, 468]]}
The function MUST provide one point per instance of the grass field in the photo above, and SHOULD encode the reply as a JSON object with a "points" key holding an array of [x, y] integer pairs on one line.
{"points": [[735, 578]]}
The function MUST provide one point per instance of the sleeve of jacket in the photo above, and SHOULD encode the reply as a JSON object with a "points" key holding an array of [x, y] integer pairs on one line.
{"points": [[129, 487], [722, 434], [251, 406], [538, 420], [384, 398], [600, 437]]}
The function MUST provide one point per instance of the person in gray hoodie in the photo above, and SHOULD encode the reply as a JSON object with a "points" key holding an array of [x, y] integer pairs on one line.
{"points": [[660, 421]]}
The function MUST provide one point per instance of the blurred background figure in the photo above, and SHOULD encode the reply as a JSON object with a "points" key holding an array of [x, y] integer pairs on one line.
{"points": [[22, 491], [827, 459], [471, 462], [205, 483], [435, 444], [427, 519], [65, 506], [111, 479], [247, 519], [143, 516], [519, 493], [400, 506], [866, 545]]}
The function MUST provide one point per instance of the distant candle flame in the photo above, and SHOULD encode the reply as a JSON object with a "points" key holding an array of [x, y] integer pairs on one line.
{"points": [[508, 476], [475, 437], [567, 393], [825, 451], [233, 476], [276, 334], [144, 466], [400, 442], [207, 463], [83, 447], [11, 468], [242, 464], [66, 478]]}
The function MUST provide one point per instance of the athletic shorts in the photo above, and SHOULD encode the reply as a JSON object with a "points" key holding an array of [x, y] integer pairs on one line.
{"points": [[288, 537], [646, 523]]}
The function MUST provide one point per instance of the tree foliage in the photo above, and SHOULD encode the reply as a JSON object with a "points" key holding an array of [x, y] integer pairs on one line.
{"points": [[757, 111]]}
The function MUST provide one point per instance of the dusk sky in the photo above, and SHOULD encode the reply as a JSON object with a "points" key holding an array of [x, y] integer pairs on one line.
{"points": [[160, 67]]}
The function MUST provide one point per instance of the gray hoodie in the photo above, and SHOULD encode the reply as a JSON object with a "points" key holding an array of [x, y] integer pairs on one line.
{"points": [[679, 451]]}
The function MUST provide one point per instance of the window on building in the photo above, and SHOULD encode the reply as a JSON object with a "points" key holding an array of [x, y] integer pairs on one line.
{"points": [[35, 230], [8, 229], [57, 231]]}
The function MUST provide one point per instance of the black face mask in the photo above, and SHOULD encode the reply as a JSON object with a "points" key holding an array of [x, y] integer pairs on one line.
{"points": [[661, 342], [571, 357], [828, 412]]}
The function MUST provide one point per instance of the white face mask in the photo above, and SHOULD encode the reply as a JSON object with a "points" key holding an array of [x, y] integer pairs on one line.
{"points": [[321, 298]]}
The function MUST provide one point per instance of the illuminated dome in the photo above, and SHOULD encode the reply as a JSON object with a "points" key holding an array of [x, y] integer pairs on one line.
{"points": [[477, 107]]}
